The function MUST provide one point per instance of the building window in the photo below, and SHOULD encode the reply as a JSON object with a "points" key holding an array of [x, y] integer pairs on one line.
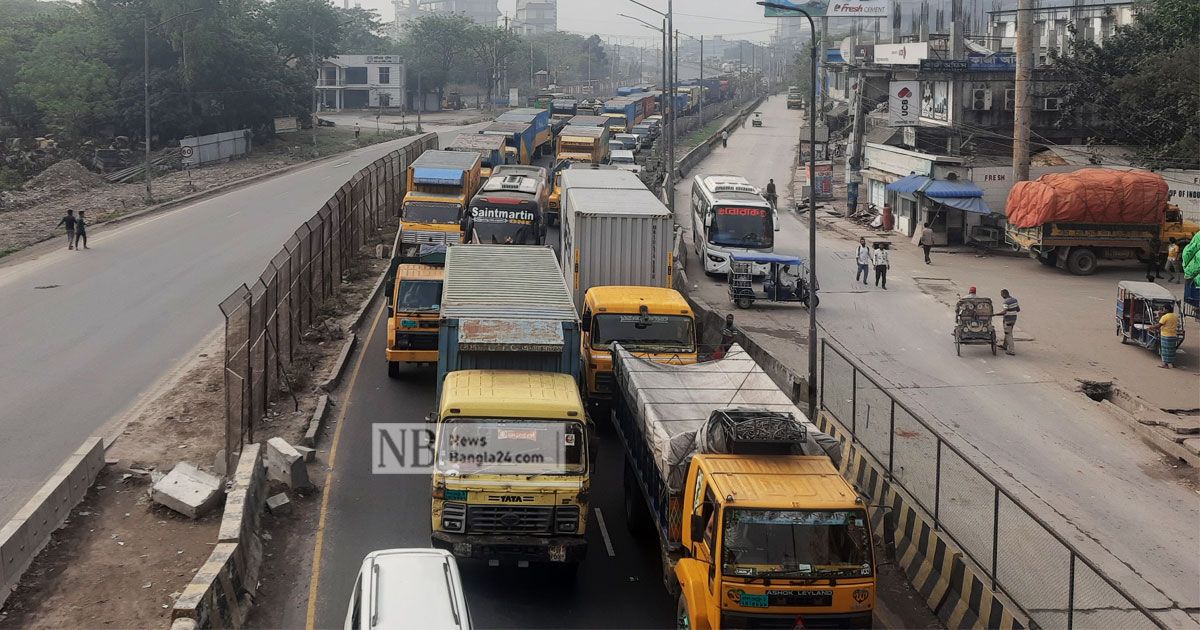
{"points": [[328, 76], [356, 76], [385, 75]]}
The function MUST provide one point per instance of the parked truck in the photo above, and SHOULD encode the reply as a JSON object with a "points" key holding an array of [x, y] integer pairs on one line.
{"points": [[755, 524], [513, 452], [440, 184], [563, 108], [795, 97], [583, 144], [1074, 220], [489, 148], [518, 140], [589, 121], [537, 118]]}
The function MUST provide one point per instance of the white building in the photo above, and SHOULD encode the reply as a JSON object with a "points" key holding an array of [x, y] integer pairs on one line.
{"points": [[536, 16], [360, 81], [482, 11]]}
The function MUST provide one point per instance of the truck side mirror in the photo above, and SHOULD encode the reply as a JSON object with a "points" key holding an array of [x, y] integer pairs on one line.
{"points": [[585, 322], [431, 417], [697, 528]]}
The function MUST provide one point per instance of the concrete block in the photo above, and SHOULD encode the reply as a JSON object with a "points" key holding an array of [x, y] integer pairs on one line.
{"points": [[220, 466], [188, 490], [314, 423], [309, 454], [279, 505], [246, 496], [16, 552], [285, 464], [183, 624]]}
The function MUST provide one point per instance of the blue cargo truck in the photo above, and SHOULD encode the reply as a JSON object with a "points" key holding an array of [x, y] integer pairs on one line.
{"points": [[506, 307], [623, 111], [518, 140], [539, 119]]}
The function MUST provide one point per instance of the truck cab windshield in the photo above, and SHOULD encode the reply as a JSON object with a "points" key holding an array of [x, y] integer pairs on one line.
{"points": [[649, 332], [419, 296], [431, 212], [490, 446], [749, 227], [796, 543]]}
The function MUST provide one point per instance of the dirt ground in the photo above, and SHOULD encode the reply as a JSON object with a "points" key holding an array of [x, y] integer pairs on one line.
{"points": [[121, 560], [29, 216]]}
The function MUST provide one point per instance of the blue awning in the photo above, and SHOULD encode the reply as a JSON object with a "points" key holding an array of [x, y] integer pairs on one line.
{"points": [[437, 176], [942, 188], [909, 184], [966, 204]]}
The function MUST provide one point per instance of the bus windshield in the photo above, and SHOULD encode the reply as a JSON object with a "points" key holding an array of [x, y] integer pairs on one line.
{"points": [[508, 225], [419, 296], [431, 212], [741, 226], [796, 543], [644, 332], [489, 446]]}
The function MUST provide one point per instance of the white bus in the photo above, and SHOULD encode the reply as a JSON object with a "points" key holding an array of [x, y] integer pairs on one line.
{"points": [[729, 216]]}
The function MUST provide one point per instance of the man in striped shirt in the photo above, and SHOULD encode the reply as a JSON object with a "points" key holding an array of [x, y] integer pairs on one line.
{"points": [[1011, 308]]}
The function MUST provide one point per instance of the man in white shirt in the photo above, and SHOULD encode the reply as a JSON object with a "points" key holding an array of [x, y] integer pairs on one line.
{"points": [[879, 258], [863, 258]]}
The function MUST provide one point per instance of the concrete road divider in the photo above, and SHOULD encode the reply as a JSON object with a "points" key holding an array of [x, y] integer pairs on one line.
{"points": [[26, 534]]}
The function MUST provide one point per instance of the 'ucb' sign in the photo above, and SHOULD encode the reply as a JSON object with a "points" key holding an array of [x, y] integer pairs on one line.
{"points": [[904, 103]]}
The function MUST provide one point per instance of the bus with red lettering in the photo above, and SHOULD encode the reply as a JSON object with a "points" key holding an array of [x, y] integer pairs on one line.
{"points": [[730, 216]]}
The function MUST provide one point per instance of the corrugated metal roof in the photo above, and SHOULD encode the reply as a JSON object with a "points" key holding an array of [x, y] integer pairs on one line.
{"points": [[446, 159], [505, 281], [593, 201], [510, 335], [589, 121], [477, 141], [599, 178]]}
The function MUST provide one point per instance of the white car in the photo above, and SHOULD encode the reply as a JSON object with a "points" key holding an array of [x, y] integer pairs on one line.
{"points": [[410, 589], [623, 160]]}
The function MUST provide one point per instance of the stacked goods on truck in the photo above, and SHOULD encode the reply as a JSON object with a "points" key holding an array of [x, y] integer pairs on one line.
{"points": [[508, 383], [755, 524], [518, 140], [1072, 220], [489, 148], [413, 293], [623, 112], [539, 119], [510, 208], [583, 144], [440, 184], [589, 121]]}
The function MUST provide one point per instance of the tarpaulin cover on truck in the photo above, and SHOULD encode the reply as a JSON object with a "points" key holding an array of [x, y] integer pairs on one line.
{"points": [[1090, 195]]}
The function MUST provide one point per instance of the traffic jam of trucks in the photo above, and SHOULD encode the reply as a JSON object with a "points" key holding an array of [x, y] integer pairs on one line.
{"points": [[537, 349]]}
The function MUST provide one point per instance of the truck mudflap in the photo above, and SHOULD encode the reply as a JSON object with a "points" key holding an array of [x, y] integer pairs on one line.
{"points": [[796, 620], [555, 549]]}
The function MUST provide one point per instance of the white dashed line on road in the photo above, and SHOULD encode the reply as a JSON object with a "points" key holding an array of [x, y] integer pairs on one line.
{"points": [[604, 533]]}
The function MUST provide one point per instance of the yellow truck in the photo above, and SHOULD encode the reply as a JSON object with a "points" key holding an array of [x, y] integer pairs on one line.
{"points": [[440, 185], [413, 294], [756, 527]]}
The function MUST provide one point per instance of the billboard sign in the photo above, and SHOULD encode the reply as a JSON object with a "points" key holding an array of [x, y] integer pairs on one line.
{"points": [[832, 8], [999, 62], [909, 54], [943, 65], [904, 103]]}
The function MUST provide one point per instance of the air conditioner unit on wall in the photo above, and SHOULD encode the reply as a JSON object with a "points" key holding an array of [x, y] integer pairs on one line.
{"points": [[1010, 100], [981, 98], [1051, 104]]}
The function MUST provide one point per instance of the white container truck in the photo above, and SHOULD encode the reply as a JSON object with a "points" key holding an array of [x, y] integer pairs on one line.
{"points": [[615, 237]]}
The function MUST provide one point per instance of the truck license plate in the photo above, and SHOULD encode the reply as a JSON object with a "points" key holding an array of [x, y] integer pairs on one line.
{"points": [[752, 600]]}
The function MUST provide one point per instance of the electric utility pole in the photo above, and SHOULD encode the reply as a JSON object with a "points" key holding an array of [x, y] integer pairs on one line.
{"points": [[1024, 99]]}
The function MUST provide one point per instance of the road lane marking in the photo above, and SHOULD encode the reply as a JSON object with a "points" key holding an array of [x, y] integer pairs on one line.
{"points": [[340, 165], [315, 581], [604, 533]]}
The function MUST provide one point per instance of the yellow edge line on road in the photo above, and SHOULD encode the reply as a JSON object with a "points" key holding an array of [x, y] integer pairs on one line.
{"points": [[315, 582]]}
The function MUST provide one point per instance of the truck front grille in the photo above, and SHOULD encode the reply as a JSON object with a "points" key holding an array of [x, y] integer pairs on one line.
{"points": [[428, 236], [509, 519]]}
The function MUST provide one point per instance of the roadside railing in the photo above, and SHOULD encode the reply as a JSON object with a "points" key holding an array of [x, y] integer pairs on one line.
{"points": [[1023, 556], [264, 320]]}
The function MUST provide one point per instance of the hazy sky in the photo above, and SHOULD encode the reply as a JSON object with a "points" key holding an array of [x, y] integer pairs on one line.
{"points": [[735, 19]]}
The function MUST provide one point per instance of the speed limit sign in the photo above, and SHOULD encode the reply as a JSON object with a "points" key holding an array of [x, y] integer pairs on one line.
{"points": [[185, 151]]}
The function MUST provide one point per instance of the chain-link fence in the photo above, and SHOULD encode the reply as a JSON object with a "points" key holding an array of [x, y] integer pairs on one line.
{"points": [[1021, 555], [263, 321]]}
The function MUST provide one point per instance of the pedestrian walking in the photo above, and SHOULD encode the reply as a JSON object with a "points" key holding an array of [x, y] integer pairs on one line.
{"points": [[771, 196], [927, 242], [68, 221], [356, 131], [81, 232], [1168, 335], [880, 259], [1011, 308], [724, 139], [1173, 266], [862, 257]]}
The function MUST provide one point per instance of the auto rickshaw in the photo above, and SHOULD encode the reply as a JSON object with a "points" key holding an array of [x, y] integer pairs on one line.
{"points": [[1138, 306], [786, 280], [757, 120]]}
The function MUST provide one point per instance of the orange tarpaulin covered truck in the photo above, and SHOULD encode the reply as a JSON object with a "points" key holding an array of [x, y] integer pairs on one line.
{"points": [[1072, 220]]}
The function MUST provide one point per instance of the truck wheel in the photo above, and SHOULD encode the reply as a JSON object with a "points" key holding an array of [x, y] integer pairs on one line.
{"points": [[393, 369], [1081, 262], [683, 618], [1047, 258], [637, 516]]}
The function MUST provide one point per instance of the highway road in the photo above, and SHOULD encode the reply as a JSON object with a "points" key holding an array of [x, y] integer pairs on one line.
{"points": [[86, 333], [1083, 470]]}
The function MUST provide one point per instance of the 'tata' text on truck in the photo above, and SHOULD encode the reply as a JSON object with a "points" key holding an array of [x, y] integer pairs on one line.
{"points": [[756, 526], [729, 217], [512, 453], [1072, 220], [440, 184], [510, 208]]}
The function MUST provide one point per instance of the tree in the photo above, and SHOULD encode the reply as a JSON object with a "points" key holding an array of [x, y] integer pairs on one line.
{"points": [[359, 32], [432, 44], [491, 48], [67, 76], [1140, 85]]}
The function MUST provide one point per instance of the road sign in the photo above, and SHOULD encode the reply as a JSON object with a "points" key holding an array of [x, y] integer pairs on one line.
{"points": [[186, 152]]}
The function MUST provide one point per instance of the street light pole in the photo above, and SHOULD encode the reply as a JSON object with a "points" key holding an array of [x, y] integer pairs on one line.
{"points": [[812, 211], [146, 28]]}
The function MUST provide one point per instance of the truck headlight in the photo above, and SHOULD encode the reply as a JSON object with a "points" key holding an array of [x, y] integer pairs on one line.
{"points": [[454, 517], [566, 519]]}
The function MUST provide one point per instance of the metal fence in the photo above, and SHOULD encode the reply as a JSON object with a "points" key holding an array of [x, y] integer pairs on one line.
{"points": [[215, 147], [1021, 555], [264, 320]]}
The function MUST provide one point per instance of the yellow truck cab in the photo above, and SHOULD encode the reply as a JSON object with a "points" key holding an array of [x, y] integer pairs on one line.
{"points": [[653, 322], [413, 294], [440, 185], [512, 468]]}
